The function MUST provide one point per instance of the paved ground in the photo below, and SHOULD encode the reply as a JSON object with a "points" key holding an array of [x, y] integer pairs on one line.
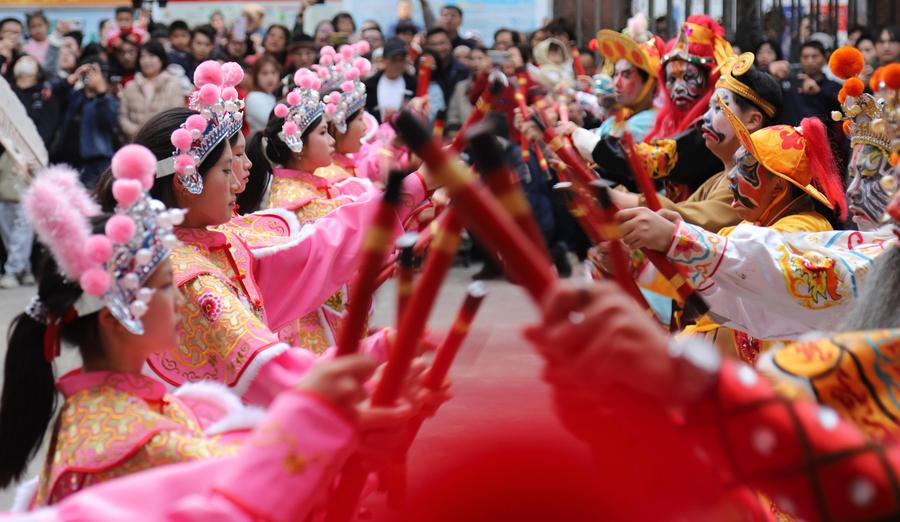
{"points": [[495, 359]]}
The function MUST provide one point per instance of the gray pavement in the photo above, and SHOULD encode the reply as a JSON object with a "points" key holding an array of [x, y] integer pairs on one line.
{"points": [[494, 353]]}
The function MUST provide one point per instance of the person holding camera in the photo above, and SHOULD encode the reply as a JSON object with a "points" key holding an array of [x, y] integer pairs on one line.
{"points": [[87, 136]]}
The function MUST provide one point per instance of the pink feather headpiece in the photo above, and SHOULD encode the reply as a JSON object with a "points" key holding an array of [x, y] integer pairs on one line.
{"points": [[110, 267], [217, 101], [342, 73]]}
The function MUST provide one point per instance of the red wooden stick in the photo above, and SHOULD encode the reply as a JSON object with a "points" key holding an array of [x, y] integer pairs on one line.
{"points": [[576, 61], [405, 269], [375, 250], [448, 349], [503, 182], [426, 65], [409, 332], [639, 172]]}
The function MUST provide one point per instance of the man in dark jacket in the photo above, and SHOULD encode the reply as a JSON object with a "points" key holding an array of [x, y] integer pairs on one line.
{"points": [[88, 135], [388, 91]]}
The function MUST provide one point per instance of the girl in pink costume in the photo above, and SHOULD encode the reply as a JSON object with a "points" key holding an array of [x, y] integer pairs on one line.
{"points": [[291, 148], [240, 288], [362, 148], [109, 289]]}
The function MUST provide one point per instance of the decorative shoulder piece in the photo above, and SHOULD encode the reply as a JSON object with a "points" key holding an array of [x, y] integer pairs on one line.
{"points": [[112, 267], [216, 99], [342, 88], [303, 107]]}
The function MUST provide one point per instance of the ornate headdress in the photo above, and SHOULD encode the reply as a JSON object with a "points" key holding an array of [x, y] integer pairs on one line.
{"points": [[112, 267], [730, 73], [616, 46], [700, 40], [342, 88], [216, 99], [869, 119], [303, 108], [799, 155]]}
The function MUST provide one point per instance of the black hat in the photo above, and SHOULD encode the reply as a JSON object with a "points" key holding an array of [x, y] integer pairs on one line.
{"points": [[406, 26], [394, 47], [302, 41]]}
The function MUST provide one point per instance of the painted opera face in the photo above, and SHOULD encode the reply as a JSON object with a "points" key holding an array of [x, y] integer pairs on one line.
{"points": [[686, 83], [867, 198], [752, 187]]}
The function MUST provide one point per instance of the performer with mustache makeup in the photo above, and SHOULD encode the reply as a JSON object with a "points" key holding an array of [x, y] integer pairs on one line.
{"points": [[783, 178], [776, 285], [755, 98], [687, 76]]}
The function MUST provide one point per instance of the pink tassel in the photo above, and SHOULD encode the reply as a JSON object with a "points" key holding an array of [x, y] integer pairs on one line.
{"points": [[196, 122], [233, 74], [134, 162], [229, 94], [209, 94], [127, 191], [209, 73], [181, 139], [95, 281], [58, 207], [98, 248]]}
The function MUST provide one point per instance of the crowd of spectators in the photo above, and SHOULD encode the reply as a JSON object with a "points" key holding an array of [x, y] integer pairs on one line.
{"points": [[89, 98]]}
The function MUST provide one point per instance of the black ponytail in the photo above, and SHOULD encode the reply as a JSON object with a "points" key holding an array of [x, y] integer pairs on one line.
{"points": [[264, 159], [29, 395], [156, 135]]}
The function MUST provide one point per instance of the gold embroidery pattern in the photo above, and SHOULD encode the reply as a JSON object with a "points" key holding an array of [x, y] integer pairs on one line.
{"points": [[856, 373], [213, 350], [290, 193], [104, 433]]}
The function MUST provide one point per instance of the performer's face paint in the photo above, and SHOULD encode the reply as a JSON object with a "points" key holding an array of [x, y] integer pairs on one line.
{"points": [[751, 185], [866, 197], [717, 132], [628, 83], [685, 82]]}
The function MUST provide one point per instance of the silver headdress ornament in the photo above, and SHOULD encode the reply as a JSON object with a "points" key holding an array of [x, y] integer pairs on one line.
{"points": [[342, 88], [872, 120], [303, 107], [216, 99], [111, 267]]}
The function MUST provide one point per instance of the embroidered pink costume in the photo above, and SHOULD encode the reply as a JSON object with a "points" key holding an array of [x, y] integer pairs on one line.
{"points": [[118, 423], [238, 293], [115, 424]]}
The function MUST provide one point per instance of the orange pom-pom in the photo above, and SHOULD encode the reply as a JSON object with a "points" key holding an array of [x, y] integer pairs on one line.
{"points": [[846, 127], [891, 76], [846, 62], [842, 95], [895, 158], [854, 87], [875, 79]]}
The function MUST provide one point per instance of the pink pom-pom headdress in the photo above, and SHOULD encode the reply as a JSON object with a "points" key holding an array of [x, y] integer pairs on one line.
{"points": [[303, 108], [111, 267], [220, 118], [342, 72]]}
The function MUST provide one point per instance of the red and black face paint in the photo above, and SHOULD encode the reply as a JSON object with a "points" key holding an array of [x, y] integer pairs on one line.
{"points": [[745, 182], [686, 83]]}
